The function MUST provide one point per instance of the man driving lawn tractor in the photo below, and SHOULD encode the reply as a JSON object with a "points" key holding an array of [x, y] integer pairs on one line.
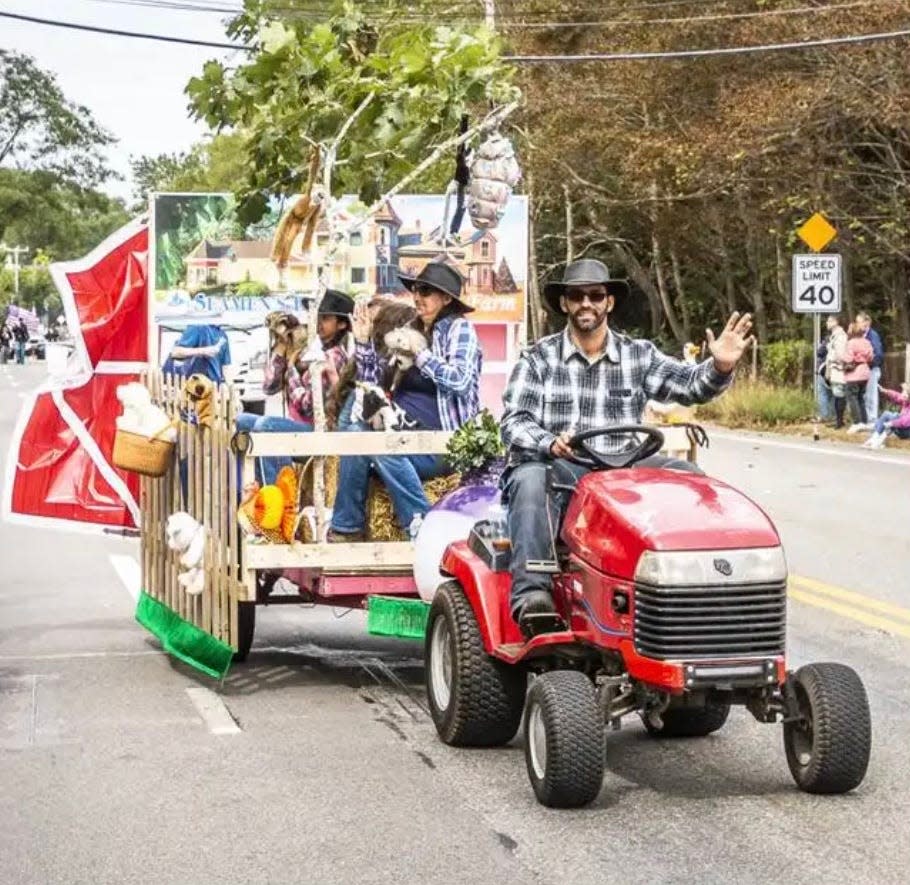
{"points": [[588, 376]]}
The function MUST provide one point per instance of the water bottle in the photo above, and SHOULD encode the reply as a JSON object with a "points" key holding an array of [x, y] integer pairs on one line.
{"points": [[497, 517]]}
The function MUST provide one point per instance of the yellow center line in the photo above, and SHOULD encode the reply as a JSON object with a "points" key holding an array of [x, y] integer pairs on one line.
{"points": [[849, 597], [854, 614]]}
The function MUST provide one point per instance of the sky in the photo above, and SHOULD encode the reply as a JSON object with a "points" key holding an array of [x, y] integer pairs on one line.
{"points": [[133, 87]]}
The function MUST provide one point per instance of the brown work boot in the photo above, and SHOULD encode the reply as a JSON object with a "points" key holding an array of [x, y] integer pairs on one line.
{"points": [[336, 537]]}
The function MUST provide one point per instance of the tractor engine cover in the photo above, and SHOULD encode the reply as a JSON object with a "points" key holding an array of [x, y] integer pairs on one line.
{"points": [[616, 515]]}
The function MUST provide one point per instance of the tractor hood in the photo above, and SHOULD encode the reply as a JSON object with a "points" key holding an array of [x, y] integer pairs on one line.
{"points": [[616, 515]]}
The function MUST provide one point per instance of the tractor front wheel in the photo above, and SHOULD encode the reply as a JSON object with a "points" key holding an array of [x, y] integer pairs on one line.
{"points": [[828, 746], [564, 740], [475, 700]]}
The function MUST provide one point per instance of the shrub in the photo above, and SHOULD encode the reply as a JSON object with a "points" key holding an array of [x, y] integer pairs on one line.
{"points": [[783, 362], [252, 288], [760, 404]]}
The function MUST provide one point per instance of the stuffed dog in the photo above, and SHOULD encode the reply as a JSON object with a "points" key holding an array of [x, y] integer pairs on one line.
{"points": [[373, 405], [199, 391], [187, 537], [403, 345]]}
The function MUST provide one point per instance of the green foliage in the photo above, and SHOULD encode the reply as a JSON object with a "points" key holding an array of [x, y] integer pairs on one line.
{"points": [[41, 211], [252, 288], [36, 290], [784, 362], [475, 444], [40, 129], [184, 222], [760, 405], [213, 165], [306, 80]]}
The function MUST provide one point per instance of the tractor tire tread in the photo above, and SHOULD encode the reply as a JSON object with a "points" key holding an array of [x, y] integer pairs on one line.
{"points": [[576, 740], [488, 695], [842, 728]]}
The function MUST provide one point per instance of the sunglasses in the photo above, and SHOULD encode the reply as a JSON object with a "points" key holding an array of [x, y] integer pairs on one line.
{"points": [[573, 296]]}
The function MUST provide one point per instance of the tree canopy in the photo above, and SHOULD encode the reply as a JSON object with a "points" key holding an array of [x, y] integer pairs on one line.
{"points": [[399, 85]]}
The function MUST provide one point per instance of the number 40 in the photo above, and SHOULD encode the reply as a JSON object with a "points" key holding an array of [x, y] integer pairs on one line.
{"points": [[824, 295]]}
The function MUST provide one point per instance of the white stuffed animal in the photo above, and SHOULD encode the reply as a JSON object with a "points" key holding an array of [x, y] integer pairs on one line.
{"points": [[403, 345], [187, 536], [140, 414]]}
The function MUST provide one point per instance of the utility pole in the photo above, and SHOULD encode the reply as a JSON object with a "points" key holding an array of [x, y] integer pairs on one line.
{"points": [[489, 14], [12, 259]]}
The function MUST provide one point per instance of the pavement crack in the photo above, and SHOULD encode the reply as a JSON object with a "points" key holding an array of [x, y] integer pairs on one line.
{"points": [[426, 760], [394, 726], [506, 841]]}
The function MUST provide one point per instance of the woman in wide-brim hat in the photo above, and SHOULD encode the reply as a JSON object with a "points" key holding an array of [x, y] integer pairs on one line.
{"points": [[626, 311], [439, 391]]}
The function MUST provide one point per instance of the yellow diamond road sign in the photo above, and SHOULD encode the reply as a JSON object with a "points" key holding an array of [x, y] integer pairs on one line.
{"points": [[817, 232]]}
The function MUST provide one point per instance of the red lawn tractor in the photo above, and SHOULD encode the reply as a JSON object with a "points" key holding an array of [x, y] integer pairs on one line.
{"points": [[671, 598]]}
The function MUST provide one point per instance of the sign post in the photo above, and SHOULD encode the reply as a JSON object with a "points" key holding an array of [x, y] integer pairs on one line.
{"points": [[816, 281]]}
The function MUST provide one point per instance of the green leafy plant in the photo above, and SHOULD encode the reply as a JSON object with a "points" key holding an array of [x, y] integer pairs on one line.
{"points": [[784, 362], [475, 444]]}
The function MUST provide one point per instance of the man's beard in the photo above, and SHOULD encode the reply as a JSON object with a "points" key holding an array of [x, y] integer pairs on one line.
{"points": [[598, 321]]}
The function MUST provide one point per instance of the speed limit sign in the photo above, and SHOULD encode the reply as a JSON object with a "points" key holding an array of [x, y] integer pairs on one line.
{"points": [[816, 283]]}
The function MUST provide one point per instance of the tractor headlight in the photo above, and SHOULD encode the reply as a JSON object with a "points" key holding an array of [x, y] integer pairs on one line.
{"points": [[761, 565]]}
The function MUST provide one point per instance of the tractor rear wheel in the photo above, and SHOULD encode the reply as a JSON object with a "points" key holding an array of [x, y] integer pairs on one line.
{"points": [[564, 740], [690, 721], [828, 748], [475, 700]]}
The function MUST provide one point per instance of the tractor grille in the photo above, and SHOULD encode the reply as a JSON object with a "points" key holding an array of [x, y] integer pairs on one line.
{"points": [[691, 623]]}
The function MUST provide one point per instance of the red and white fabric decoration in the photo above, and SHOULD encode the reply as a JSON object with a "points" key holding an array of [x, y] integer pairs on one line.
{"points": [[59, 468]]}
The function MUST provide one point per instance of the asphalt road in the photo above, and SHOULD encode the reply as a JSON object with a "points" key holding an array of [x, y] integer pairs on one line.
{"points": [[316, 761]]}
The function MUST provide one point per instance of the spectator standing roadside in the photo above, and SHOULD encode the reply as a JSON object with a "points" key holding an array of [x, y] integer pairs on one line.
{"points": [[857, 358], [864, 320], [20, 333], [6, 342], [834, 367], [823, 396]]}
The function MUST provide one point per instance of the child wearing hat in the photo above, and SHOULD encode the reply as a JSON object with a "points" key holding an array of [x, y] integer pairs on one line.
{"points": [[288, 372]]}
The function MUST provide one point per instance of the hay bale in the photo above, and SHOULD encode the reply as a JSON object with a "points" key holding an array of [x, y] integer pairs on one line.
{"points": [[381, 522]]}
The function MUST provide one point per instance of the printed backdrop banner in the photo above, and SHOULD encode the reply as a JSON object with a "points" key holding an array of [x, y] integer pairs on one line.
{"points": [[208, 267]]}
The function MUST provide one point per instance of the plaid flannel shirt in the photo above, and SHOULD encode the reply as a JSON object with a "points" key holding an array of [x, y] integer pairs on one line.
{"points": [[295, 379], [555, 388], [452, 362]]}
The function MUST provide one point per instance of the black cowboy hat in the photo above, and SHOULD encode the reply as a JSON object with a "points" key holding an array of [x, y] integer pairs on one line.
{"points": [[588, 272], [335, 304], [440, 276]]}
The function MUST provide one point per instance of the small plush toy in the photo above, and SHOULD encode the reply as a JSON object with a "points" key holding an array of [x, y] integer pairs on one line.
{"points": [[140, 415], [199, 391], [303, 216], [374, 406], [270, 511], [185, 535], [403, 345]]}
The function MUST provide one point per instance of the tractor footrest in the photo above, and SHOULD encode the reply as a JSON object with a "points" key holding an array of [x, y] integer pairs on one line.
{"points": [[543, 566], [542, 622]]}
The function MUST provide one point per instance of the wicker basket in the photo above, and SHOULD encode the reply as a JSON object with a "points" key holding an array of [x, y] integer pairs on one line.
{"points": [[139, 454]]}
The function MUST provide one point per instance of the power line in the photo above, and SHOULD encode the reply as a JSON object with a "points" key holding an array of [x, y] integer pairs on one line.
{"points": [[519, 59], [118, 33]]}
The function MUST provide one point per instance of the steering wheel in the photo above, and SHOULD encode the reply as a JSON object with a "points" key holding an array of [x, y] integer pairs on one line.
{"points": [[587, 456]]}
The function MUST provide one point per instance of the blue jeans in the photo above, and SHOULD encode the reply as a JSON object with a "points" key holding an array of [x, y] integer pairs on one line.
{"points": [[20, 352], [899, 432], [402, 475], [824, 398], [535, 517], [875, 378], [267, 468]]}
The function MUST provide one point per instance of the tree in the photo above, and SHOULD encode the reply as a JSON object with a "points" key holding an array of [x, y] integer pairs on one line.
{"points": [[396, 88], [213, 165], [43, 212], [40, 129]]}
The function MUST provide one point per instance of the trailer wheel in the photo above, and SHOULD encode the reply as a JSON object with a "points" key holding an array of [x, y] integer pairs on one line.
{"points": [[564, 740], [690, 721], [828, 750], [246, 627], [475, 700]]}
